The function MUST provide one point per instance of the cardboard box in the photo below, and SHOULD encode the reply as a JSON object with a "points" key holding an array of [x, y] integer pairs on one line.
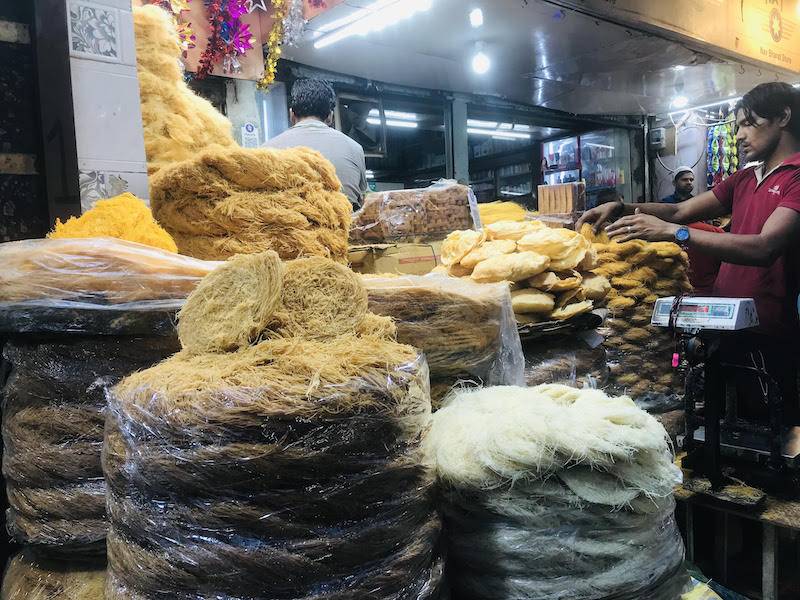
{"points": [[400, 258], [562, 198]]}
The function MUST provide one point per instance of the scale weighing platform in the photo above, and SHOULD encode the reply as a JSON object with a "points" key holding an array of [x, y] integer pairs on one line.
{"points": [[759, 450], [716, 314]]}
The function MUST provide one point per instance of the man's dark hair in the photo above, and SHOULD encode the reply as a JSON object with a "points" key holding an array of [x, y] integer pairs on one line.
{"points": [[769, 100], [312, 98]]}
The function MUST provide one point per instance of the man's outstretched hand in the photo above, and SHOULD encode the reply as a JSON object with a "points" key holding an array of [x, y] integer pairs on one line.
{"points": [[600, 215], [642, 227]]}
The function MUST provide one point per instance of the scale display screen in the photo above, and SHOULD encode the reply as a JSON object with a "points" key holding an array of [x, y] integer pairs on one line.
{"points": [[727, 314]]}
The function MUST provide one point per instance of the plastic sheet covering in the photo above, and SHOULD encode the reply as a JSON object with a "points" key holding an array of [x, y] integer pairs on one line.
{"points": [[415, 215], [553, 493], [31, 577], [565, 360], [270, 492], [640, 361], [95, 273], [466, 330], [53, 403]]}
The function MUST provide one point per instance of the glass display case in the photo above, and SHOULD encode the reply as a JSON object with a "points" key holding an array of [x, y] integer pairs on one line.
{"points": [[600, 158], [605, 162]]}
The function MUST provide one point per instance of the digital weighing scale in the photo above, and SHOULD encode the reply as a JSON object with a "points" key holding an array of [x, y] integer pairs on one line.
{"points": [[716, 438]]}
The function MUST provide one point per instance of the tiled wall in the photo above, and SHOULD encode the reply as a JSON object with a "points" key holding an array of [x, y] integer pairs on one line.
{"points": [[108, 120]]}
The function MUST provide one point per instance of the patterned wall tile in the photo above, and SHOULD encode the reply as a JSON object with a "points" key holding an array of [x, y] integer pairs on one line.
{"points": [[93, 188], [94, 31]]}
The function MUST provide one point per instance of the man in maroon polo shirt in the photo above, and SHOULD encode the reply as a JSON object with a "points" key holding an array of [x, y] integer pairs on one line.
{"points": [[759, 257]]}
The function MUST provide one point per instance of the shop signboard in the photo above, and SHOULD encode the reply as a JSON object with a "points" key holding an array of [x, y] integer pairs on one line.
{"points": [[767, 31]]}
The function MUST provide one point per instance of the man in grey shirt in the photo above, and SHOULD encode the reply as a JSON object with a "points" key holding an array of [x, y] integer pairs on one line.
{"points": [[311, 112]]}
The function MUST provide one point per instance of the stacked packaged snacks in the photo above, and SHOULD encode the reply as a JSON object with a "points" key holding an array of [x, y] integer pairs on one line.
{"points": [[287, 465], [552, 492], [466, 330], [550, 269], [415, 215], [31, 577], [640, 354]]}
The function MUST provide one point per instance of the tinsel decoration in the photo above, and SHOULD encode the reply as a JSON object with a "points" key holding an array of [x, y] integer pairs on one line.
{"points": [[186, 35], [274, 44], [229, 38], [293, 23]]}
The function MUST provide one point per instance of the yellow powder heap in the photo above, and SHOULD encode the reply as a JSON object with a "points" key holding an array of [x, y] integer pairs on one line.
{"points": [[124, 217], [177, 122]]}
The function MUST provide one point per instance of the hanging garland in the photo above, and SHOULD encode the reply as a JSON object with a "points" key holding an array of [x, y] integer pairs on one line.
{"points": [[186, 35], [228, 39], [287, 28]]}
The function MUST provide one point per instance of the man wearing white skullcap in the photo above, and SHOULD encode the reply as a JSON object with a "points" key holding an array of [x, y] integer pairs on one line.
{"points": [[684, 186]]}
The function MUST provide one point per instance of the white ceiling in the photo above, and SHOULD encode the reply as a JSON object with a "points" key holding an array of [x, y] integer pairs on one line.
{"points": [[541, 55]]}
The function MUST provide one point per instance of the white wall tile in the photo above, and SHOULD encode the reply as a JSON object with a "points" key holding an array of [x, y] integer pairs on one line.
{"points": [[108, 120]]}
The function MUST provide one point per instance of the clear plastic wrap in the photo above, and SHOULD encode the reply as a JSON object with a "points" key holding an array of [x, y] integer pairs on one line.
{"points": [[415, 215], [32, 577], [466, 330], [315, 490], [640, 361], [53, 402], [543, 542], [565, 360], [555, 493], [95, 273]]}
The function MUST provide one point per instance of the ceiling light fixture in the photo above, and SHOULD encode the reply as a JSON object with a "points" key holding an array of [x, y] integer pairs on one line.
{"points": [[370, 174], [375, 17], [484, 124], [476, 17], [678, 68], [493, 132], [728, 101], [394, 114], [393, 123], [481, 63], [679, 102]]}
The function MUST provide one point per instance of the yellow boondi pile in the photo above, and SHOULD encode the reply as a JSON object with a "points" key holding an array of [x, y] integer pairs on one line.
{"points": [[492, 212], [124, 217], [177, 122], [550, 269], [640, 355]]}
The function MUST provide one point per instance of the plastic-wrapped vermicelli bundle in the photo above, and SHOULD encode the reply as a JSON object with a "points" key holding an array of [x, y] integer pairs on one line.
{"points": [[96, 272], [466, 330], [287, 469], [53, 433], [552, 492], [566, 360], [32, 577]]}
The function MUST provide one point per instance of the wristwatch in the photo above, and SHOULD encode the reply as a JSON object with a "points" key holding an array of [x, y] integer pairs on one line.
{"points": [[682, 236]]}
